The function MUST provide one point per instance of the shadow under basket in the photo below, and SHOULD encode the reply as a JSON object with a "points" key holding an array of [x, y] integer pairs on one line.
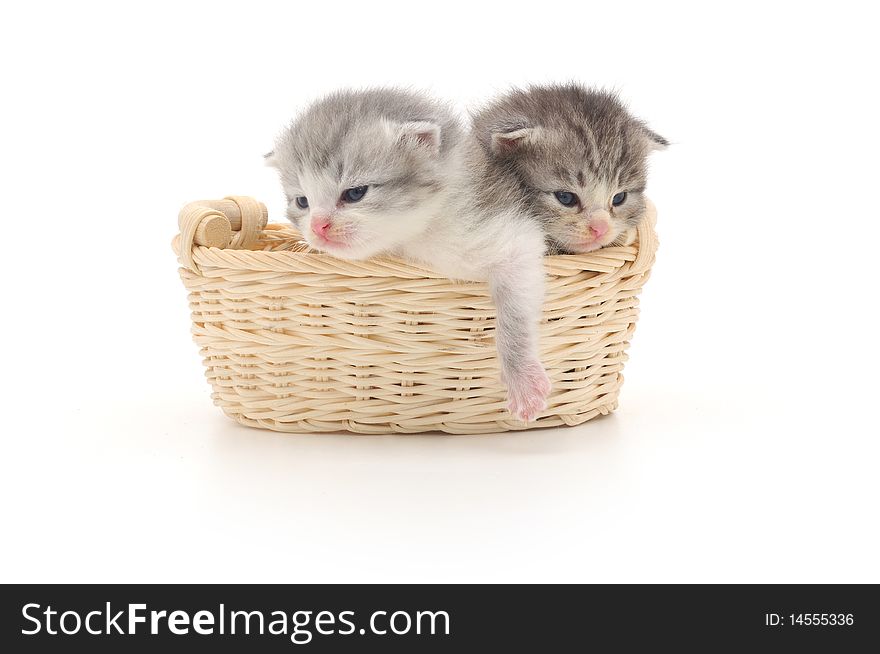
{"points": [[298, 341]]}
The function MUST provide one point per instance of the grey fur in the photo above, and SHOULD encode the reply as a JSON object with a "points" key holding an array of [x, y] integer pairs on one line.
{"points": [[564, 138]]}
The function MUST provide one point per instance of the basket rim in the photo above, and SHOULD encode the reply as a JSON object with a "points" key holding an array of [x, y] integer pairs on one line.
{"points": [[605, 260]]}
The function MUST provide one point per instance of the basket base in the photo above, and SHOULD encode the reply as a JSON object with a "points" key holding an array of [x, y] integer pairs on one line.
{"points": [[501, 425]]}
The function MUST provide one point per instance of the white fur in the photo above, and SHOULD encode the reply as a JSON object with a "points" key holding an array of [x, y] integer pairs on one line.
{"points": [[507, 250], [447, 235]]}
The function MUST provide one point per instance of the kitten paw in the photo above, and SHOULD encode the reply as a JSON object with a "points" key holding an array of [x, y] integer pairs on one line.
{"points": [[527, 392]]}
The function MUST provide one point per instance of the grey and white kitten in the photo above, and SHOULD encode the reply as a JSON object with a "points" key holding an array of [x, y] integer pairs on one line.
{"points": [[392, 171], [577, 159]]}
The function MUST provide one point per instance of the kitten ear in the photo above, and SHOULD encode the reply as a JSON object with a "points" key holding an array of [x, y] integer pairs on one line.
{"points": [[655, 141], [508, 142], [270, 160], [420, 133]]}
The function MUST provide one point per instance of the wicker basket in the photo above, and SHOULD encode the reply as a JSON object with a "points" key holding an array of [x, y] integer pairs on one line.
{"points": [[298, 341]]}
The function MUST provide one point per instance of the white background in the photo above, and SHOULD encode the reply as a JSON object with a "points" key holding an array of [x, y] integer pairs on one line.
{"points": [[746, 445]]}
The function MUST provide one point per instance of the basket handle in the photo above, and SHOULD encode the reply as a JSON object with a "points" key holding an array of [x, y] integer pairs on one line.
{"points": [[234, 222], [647, 239]]}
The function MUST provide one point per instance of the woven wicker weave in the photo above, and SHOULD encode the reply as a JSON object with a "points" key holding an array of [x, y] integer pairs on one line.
{"points": [[294, 340]]}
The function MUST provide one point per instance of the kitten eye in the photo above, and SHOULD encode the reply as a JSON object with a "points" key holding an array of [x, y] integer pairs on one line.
{"points": [[355, 194], [619, 199], [302, 202], [566, 199]]}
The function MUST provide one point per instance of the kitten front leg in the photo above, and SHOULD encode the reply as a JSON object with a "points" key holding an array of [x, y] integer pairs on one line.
{"points": [[516, 283]]}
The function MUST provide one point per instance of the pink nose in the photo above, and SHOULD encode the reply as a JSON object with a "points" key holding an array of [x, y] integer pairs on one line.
{"points": [[598, 229], [320, 225]]}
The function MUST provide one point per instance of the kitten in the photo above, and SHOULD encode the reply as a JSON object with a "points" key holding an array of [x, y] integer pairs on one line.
{"points": [[391, 171], [578, 159]]}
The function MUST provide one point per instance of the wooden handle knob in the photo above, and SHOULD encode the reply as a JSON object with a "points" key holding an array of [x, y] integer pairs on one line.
{"points": [[232, 211], [214, 232], [217, 221]]}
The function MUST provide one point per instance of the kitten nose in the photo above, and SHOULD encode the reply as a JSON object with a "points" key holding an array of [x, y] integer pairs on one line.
{"points": [[320, 225], [598, 228]]}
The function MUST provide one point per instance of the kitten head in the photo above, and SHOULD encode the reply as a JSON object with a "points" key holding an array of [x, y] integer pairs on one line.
{"points": [[581, 157], [364, 171]]}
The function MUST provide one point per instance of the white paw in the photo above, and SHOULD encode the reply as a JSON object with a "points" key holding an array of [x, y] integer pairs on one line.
{"points": [[527, 391]]}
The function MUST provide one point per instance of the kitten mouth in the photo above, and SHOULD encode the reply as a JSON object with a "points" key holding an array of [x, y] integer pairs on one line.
{"points": [[325, 243], [587, 246], [583, 246]]}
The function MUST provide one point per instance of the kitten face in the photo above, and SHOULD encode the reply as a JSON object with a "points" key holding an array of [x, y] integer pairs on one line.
{"points": [[581, 158], [363, 171], [586, 202]]}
